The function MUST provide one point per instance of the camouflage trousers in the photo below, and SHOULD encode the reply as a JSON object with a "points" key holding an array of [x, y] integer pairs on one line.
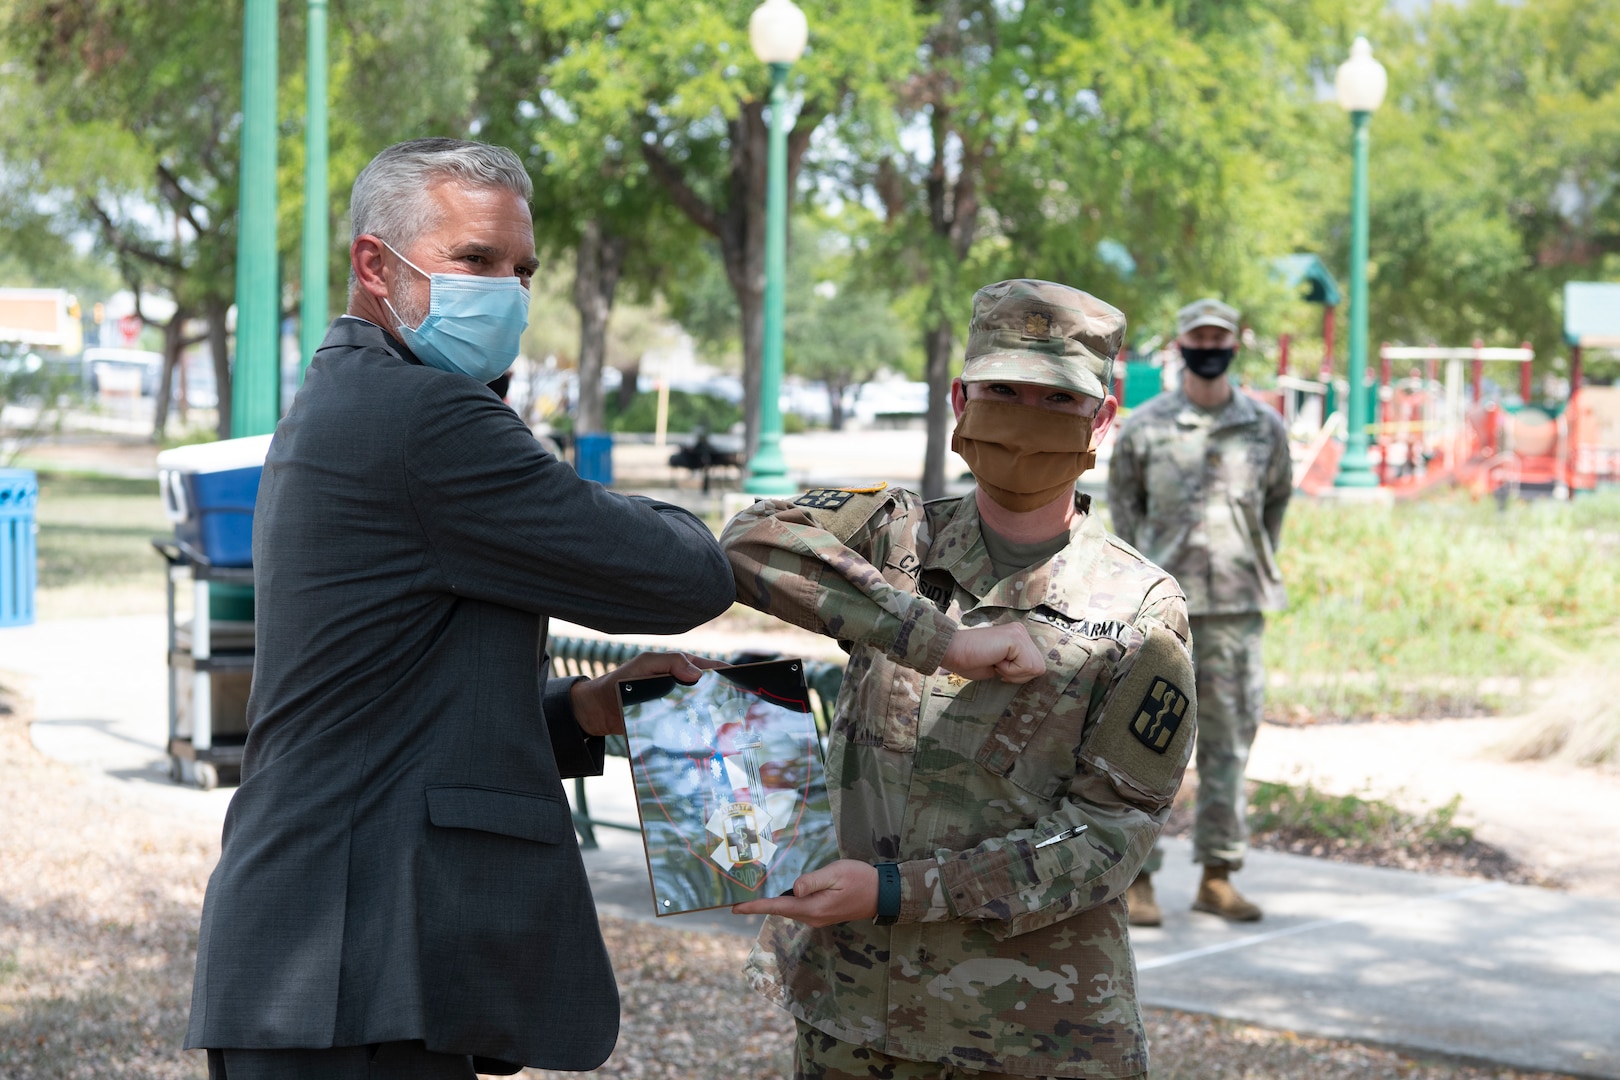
{"points": [[1231, 685], [819, 1056]]}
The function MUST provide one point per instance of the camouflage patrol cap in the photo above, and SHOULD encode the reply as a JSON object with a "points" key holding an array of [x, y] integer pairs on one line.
{"points": [[1028, 331], [1207, 312]]}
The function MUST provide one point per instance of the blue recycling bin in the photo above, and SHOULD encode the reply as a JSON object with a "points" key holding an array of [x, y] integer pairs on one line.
{"points": [[19, 558], [593, 456]]}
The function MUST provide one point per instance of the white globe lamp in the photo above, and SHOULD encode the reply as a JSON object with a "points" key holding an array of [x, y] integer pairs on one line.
{"points": [[1361, 81], [778, 32]]}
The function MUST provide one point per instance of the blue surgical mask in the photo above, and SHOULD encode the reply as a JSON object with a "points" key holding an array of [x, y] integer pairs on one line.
{"points": [[473, 325]]}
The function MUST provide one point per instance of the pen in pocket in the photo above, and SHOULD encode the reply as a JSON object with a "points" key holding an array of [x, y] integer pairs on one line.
{"points": [[1064, 835]]}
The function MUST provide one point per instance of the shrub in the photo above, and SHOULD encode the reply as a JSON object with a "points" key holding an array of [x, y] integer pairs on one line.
{"points": [[686, 412]]}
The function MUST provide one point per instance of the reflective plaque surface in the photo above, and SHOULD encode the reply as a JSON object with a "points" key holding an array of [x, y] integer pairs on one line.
{"points": [[729, 784]]}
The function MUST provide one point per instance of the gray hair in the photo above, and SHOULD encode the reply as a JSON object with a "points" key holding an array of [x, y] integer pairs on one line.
{"points": [[390, 198]]}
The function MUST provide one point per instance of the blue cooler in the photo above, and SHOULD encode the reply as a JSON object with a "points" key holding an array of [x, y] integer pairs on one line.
{"points": [[208, 492]]}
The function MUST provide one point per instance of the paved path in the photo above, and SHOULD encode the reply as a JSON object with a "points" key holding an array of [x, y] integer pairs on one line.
{"points": [[1521, 976]]}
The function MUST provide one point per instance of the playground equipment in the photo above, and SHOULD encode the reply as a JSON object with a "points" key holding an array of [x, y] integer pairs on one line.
{"points": [[1435, 425], [1592, 321], [1430, 429]]}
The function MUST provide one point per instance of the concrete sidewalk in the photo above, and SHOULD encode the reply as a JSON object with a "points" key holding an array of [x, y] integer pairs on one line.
{"points": [[1510, 974], [1476, 969]]}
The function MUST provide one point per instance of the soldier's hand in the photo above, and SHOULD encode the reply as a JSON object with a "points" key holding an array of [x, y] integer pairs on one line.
{"points": [[839, 892], [1002, 652], [596, 701]]}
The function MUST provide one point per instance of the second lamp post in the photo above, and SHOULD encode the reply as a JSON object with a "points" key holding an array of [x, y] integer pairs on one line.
{"points": [[778, 32], [1360, 85]]}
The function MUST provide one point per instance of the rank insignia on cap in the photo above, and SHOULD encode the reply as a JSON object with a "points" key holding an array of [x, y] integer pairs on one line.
{"points": [[1159, 715], [824, 498], [1037, 324]]}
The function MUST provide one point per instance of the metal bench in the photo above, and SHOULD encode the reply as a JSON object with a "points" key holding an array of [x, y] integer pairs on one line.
{"points": [[593, 657], [705, 456]]}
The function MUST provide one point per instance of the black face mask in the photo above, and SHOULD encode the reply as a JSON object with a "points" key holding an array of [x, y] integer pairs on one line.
{"points": [[1207, 363]]}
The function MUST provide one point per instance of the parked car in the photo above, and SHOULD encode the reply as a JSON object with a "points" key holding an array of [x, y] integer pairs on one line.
{"points": [[139, 366]]}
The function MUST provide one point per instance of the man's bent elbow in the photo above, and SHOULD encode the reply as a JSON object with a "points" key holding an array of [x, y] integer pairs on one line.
{"points": [[706, 592]]}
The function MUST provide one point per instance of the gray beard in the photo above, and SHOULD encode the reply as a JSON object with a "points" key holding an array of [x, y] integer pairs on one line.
{"points": [[412, 307]]}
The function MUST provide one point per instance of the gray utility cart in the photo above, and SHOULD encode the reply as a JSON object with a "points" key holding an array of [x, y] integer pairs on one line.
{"points": [[210, 673]]}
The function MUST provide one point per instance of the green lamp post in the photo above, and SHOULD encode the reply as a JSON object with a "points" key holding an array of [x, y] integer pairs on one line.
{"points": [[777, 31], [312, 313], [256, 378], [1360, 85]]}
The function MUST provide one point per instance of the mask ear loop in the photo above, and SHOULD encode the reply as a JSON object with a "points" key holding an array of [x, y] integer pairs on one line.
{"points": [[403, 259]]}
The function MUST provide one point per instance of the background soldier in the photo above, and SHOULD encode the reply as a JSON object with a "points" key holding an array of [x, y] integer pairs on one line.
{"points": [[1198, 483], [1013, 725]]}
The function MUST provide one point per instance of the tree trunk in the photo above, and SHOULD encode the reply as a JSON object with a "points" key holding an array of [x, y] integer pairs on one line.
{"points": [[742, 244], [219, 345], [937, 340], [751, 301], [739, 225], [835, 403], [953, 212], [173, 345], [629, 385], [598, 262]]}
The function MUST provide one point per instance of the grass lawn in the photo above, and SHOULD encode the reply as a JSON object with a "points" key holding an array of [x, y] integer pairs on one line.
{"points": [[1444, 606], [1447, 605], [95, 552]]}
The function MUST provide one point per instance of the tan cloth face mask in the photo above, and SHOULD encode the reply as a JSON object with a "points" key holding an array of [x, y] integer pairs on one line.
{"points": [[1023, 457]]}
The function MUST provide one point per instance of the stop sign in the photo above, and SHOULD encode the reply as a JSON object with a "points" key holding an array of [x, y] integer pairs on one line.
{"points": [[129, 328]]}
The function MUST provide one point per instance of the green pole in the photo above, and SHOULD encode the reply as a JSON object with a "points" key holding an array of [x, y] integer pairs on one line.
{"points": [[767, 472], [1355, 469], [256, 379], [316, 277]]}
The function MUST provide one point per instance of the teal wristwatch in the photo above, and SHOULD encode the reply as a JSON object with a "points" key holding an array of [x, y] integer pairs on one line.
{"points": [[888, 908]]}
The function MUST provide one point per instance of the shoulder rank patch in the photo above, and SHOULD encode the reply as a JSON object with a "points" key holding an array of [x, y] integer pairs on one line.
{"points": [[1159, 715]]}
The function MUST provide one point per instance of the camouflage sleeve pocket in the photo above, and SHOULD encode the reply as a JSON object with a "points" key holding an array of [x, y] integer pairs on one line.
{"points": [[1145, 735]]}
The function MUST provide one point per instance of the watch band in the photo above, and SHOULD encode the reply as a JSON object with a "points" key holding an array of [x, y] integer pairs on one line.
{"points": [[888, 898]]}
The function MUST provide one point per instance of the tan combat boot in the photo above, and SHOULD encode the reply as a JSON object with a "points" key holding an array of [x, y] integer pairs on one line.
{"points": [[1140, 906], [1216, 896]]}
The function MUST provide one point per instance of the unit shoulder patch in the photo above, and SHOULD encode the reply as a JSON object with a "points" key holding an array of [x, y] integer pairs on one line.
{"points": [[841, 511], [1159, 715], [824, 498], [1147, 727]]}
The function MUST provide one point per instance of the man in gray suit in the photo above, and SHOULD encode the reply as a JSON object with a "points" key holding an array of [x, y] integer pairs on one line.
{"points": [[399, 893]]}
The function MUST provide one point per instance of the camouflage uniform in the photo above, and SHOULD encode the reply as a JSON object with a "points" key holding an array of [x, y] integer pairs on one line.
{"points": [[1011, 951], [1203, 494]]}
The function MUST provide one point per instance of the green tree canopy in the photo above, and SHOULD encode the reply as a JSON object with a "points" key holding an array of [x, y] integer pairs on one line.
{"points": [[676, 84], [124, 115]]}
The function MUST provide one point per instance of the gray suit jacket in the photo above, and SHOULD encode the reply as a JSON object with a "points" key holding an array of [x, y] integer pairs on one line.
{"points": [[399, 862]]}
